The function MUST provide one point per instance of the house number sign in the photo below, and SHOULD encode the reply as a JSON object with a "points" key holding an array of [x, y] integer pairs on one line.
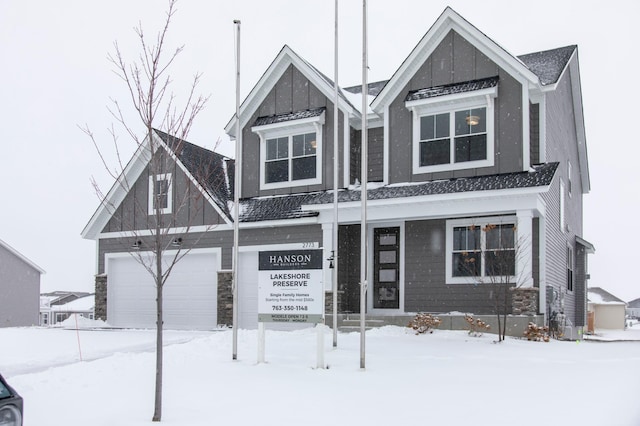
{"points": [[290, 286]]}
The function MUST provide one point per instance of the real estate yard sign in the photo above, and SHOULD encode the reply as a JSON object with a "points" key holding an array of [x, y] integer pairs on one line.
{"points": [[290, 286]]}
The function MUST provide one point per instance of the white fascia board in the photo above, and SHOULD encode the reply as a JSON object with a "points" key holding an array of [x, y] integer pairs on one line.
{"points": [[279, 223], [271, 76], [438, 206], [192, 179], [451, 20], [171, 231], [454, 98], [118, 191], [21, 257]]}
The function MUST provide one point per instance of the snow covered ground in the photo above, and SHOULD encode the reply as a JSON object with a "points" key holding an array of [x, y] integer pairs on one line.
{"points": [[446, 377]]}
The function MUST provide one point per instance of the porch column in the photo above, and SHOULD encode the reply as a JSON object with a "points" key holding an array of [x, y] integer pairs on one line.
{"points": [[524, 248]]}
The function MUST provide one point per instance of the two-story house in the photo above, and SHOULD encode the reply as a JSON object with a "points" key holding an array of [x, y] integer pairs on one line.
{"points": [[472, 153]]}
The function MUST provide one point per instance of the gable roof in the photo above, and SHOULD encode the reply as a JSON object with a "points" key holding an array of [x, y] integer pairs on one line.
{"points": [[278, 66], [21, 257], [447, 21], [599, 295], [214, 183], [291, 206]]}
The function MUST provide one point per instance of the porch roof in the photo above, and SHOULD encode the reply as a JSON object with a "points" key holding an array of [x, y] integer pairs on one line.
{"points": [[290, 206]]}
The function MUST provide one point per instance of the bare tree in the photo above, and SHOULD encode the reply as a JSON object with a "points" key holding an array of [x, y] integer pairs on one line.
{"points": [[148, 82], [494, 263]]}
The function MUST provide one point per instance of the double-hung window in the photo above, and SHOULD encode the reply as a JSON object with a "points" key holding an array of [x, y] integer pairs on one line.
{"points": [[290, 150], [453, 126], [481, 251]]}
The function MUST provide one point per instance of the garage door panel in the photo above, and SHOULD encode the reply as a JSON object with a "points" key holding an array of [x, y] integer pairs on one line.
{"points": [[189, 295]]}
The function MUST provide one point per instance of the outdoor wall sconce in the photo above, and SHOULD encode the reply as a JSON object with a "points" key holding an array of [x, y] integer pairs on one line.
{"points": [[177, 242], [136, 245]]}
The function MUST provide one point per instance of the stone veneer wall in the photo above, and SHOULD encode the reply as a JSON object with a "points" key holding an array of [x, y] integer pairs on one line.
{"points": [[225, 298], [100, 307], [525, 301]]}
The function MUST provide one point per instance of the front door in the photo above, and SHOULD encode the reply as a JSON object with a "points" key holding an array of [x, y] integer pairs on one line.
{"points": [[386, 268]]}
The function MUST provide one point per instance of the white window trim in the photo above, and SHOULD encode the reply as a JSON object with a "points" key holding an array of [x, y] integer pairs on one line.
{"points": [[161, 177], [289, 129], [496, 220], [452, 103]]}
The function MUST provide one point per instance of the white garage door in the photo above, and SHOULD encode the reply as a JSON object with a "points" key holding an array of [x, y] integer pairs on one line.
{"points": [[190, 293]]}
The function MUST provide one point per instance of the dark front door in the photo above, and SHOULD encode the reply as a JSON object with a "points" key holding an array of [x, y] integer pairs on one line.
{"points": [[386, 268]]}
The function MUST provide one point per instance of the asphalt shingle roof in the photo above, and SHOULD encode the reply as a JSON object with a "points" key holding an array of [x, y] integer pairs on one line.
{"points": [[290, 207], [282, 118], [549, 64], [213, 171], [450, 89]]}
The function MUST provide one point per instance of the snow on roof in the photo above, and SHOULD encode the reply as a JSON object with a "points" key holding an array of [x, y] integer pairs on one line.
{"points": [[600, 296], [85, 303]]}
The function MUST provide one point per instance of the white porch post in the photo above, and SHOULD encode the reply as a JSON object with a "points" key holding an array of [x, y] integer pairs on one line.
{"points": [[524, 247]]}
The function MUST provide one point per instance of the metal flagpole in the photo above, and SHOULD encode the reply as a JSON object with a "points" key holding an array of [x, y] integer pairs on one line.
{"points": [[363, 189], [334, 245], [236, 197]]}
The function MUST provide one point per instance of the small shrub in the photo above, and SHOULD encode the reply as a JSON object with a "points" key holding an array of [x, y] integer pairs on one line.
{"points": [[423, 323], [537, 333], [476, 326]]}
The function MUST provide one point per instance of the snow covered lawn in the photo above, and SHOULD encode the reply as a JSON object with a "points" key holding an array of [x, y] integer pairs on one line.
{"points": [[442, 378]]}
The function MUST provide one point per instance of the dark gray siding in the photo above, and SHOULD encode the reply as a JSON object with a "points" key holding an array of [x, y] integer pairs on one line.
{"points": [[293, 92], [190, 208], [425, 288], [580, 275], [534, 133], [375, 157], [19, 291], [222, 239], [456, 60]]}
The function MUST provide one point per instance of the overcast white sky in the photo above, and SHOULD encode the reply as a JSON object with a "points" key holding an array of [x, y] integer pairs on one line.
{"points": [[55, 76]]}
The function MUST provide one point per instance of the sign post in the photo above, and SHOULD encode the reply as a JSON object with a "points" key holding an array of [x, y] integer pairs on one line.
{"points": [[290, 290]]}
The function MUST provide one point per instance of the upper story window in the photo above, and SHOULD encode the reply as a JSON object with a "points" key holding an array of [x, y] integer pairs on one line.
{"points": [[453, 126], [481, 251], [160, 193], [290, 149]]}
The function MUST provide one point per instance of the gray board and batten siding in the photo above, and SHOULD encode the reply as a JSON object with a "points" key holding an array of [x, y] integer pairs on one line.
{"points": [[455, 60], [293, 92], [133, 212]]}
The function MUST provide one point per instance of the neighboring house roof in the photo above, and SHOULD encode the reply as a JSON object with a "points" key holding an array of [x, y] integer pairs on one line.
{"points": [[21, 257], [291, 207], [549, 64], [635, 304], [599, 296], [85, 303], [61, 297], [209, 171]]}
